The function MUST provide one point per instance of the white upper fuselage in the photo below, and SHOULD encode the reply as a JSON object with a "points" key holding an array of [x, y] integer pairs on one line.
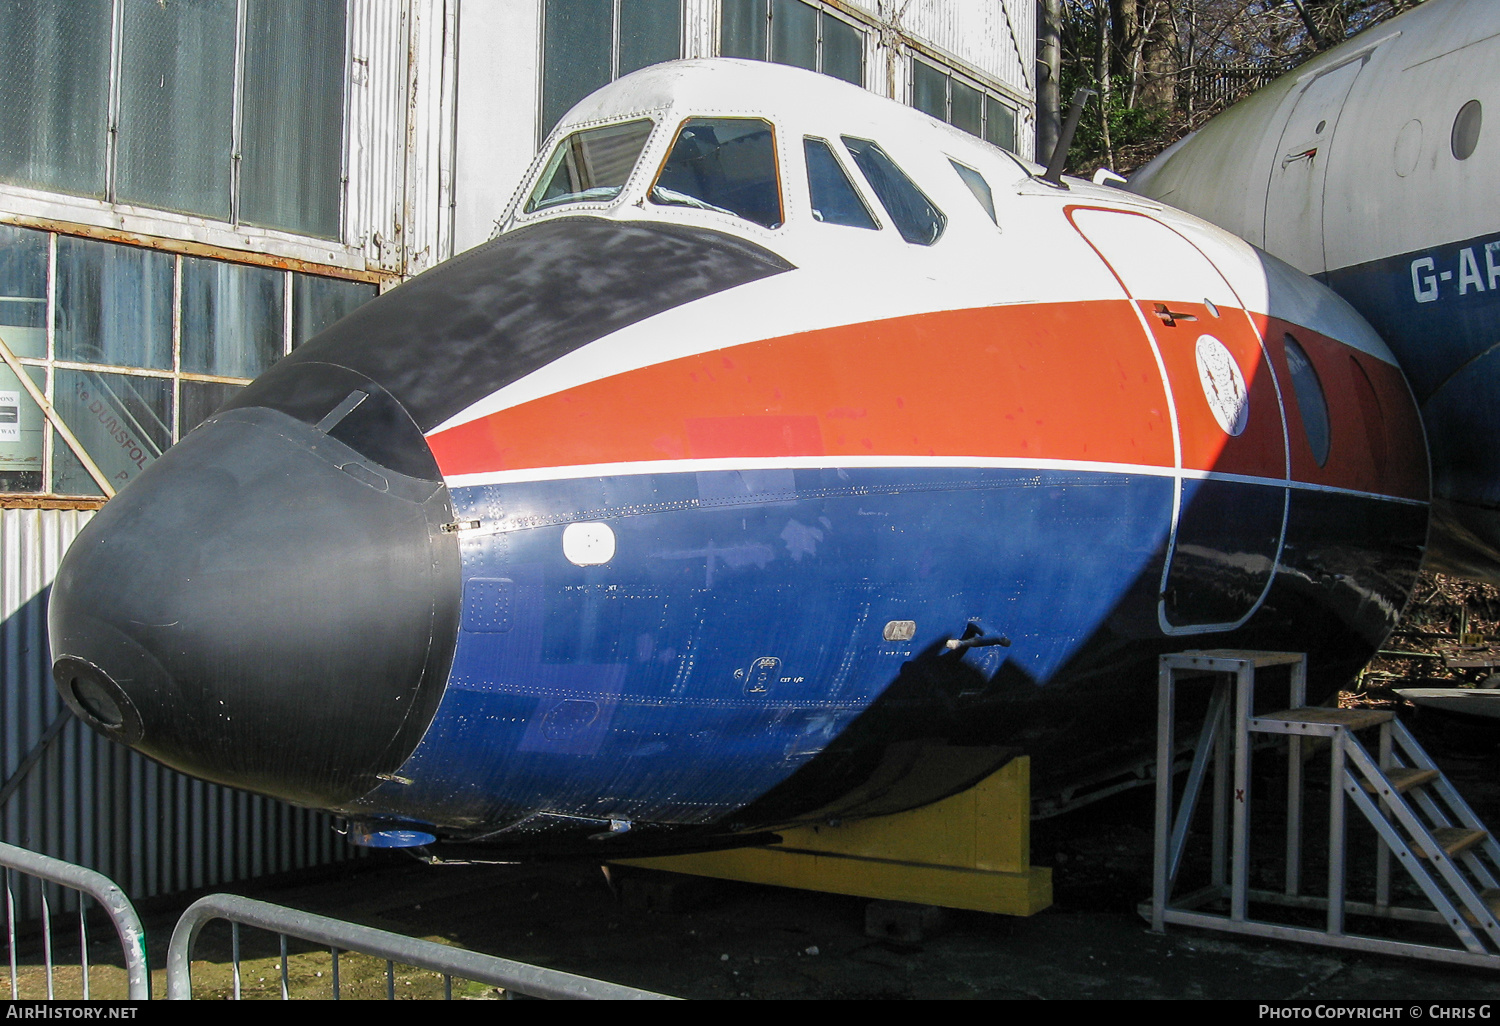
{"points": [[1029, 254]]}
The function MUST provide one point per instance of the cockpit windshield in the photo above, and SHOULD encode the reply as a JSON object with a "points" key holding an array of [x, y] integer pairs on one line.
{"points": [[723, 164], [590, 166]]}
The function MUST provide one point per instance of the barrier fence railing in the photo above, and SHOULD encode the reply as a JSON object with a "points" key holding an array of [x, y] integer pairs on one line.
{"points": [[44, 869], [343, 938], [24, 868]]}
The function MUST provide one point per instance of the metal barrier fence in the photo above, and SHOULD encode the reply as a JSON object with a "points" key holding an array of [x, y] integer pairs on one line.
{"points": [[341, 937], [515, 978], [85, 882]]}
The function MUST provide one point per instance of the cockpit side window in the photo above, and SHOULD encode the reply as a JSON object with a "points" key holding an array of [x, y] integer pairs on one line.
{"points": [[836, 201], [590, 166], [978, 186], [915, 217], [834, 198], [723, 164]]}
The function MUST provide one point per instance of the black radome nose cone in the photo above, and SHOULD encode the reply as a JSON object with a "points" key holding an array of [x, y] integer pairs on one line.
{"points": [[265, 608]]}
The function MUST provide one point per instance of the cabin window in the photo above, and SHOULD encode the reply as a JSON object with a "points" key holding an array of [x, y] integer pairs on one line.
{"points": [[978, 186], [1466, 129], [1311, 402], [940, 93], [591, 166], [835, 200], [913, 214], [793, 32], [723, 164], [587, 44]]}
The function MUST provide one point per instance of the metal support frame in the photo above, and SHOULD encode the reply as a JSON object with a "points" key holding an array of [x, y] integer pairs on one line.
{"points": [[1420, 820]]}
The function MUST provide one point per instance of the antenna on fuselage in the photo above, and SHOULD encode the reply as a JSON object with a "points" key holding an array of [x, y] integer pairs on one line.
{"points": [[1053, 176]]}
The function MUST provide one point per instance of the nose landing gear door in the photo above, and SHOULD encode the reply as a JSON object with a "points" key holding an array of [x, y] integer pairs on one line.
{"points": [[1230, 496]]}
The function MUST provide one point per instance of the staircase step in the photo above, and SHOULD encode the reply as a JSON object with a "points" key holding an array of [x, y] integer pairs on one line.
{"points": [[1455, 839], [1404, 778], [1352, 719], [1491, 899]]}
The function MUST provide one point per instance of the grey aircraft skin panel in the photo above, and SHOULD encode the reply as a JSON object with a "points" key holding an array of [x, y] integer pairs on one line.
{"points": [[1372, 167]]}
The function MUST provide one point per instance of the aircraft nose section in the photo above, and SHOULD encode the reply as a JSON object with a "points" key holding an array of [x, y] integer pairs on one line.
{"points": [[266, 607]]}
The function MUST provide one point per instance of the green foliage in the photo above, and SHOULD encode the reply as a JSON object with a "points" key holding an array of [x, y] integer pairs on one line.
{"points": [[1131, 129]]}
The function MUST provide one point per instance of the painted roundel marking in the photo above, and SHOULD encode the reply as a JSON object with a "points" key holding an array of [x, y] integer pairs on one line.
{"points": [[1223, 385]]}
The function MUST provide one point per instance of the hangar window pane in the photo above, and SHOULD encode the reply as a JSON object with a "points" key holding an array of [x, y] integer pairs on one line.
{"points": [[124, 423], [232, 317], [319, 302], [114, 304], [966, 107], [650, 33], [723, 164], [54, 93], [23, 291], [929, 90], [200, 400], [292, 146], [915, 217], [793, 32], [577, 37], [743, 28], [587, 44], [131, 370], [938, 91], [843, 50], [177, 106], [180, 105], [22, 432], [999, 124]]}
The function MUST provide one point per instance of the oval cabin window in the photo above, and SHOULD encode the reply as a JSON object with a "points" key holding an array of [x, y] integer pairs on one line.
{"points": [[1466, 129], [1311, 402]]}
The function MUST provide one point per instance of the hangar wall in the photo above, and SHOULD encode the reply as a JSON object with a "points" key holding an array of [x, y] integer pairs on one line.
{"points": [[187, 192]]}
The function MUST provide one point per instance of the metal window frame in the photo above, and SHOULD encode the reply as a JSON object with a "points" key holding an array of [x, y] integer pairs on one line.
{"points": [[112, 133], [822, 11], [778, 155], [950, 72], [864, 37], [50, 365]]}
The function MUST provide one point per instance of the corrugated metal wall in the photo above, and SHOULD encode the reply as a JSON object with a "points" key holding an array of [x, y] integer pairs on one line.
{"points": [[70, 793], [402, 92], [998, 39]]}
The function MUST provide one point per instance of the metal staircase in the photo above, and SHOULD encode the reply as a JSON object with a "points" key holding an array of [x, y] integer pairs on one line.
{"points": [[1421, 822]]}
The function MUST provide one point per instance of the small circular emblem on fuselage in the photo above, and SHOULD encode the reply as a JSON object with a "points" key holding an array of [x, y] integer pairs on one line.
{"points": [[1223, 385]]}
